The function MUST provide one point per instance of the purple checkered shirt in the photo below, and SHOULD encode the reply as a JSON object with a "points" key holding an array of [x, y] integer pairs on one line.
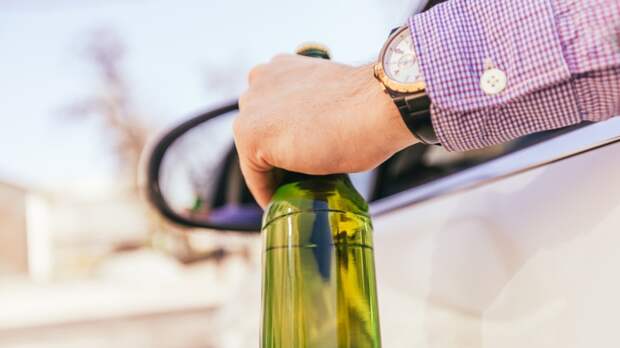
{"points": [[561, 59]]}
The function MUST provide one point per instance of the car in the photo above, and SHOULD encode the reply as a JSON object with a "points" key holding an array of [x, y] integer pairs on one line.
{"points": [[515, 245]]}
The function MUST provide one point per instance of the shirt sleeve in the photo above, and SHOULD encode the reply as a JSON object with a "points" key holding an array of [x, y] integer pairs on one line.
{"points": [[561, 60]]}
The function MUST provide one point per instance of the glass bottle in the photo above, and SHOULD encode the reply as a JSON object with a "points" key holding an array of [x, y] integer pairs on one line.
{"points": [[318, 270]]}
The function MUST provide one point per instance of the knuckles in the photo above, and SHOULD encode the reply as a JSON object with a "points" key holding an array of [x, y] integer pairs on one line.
{"points": [[271, 68], [255, 73], [281, 56], [245, 121], [237, 128], [244, 98]]}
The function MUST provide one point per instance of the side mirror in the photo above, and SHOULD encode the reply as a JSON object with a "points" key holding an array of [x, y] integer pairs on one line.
{"points": [[193, 176]]}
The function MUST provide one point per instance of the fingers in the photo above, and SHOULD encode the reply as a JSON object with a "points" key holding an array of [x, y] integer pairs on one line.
{"points": [[260, 181], [255, 72], [258, 125], [256, 170]]}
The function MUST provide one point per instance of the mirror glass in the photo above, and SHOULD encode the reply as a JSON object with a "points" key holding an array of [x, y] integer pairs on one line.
{"points": [[200, 179]]}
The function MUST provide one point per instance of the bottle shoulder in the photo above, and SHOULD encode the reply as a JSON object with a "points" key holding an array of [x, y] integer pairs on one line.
{"points": [[320, 193]]}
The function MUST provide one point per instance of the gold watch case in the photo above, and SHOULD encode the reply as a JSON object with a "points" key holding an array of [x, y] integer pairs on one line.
{"points": [[388, 83]]}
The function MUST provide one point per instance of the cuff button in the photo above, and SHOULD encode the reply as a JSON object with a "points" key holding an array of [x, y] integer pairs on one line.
{"points": [[493, 81]]}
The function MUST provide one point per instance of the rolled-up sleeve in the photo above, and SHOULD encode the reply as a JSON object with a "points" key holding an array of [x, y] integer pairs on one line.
{"points": [[560, 60]]}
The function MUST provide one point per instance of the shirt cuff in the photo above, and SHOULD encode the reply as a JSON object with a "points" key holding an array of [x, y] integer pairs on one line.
{"points": [[456, 39]]}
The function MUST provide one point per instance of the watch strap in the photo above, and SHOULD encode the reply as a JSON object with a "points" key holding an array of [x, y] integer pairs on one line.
{"points": [[415, 111]]}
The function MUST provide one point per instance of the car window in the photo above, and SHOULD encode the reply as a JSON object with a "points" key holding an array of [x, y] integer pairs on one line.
{"points": [[421, 164]]}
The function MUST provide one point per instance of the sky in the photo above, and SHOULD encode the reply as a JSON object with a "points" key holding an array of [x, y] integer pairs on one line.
{"points": [[171, 48]]}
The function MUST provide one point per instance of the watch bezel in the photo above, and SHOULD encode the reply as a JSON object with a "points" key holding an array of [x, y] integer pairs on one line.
{"points": [[388, 82]]}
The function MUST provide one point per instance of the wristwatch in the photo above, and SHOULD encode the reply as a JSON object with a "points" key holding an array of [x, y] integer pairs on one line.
{"points": [[398, 69]]}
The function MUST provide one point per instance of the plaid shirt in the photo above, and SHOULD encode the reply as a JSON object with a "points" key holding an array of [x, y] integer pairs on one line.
{"points": [[561, 59]]}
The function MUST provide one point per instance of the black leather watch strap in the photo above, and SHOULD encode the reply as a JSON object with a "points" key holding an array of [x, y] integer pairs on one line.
{"points": [[415, 111]]}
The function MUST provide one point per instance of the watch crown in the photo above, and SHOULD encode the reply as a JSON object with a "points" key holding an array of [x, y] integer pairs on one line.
{"points": [[313, 49]]}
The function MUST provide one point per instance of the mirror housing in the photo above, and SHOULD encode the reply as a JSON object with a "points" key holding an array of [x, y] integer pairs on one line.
{"points": [[154, 161]]}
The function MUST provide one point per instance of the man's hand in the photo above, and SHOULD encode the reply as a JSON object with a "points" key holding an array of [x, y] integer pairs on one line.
{"points": [[313, 116]]}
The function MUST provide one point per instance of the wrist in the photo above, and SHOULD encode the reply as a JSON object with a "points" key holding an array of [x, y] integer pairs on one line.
{"points": [[385, 118]]}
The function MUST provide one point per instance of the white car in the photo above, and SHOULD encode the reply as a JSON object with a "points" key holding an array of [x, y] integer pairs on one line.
{"points": [[521, 251]]}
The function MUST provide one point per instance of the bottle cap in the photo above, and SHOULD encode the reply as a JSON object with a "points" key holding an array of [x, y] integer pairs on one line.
{"points": [[313, 49]]}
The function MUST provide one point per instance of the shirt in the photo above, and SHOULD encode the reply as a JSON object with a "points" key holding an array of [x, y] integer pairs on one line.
{"points": [[559, 61]]}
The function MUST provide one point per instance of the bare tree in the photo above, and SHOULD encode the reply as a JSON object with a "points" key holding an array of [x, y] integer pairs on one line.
{"points": [[112, 105]]}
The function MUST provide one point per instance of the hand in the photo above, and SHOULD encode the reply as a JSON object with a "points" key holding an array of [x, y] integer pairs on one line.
{"points": [[314, 116]]}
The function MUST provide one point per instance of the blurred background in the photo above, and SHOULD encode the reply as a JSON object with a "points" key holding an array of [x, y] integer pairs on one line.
{"points": [[84, 87]]}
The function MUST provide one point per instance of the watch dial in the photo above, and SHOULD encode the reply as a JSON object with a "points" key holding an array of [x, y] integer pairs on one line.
{"points": [[400, 62]]}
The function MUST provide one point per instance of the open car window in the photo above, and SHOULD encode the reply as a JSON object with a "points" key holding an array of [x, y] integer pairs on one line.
{"points": [[421, 164]]}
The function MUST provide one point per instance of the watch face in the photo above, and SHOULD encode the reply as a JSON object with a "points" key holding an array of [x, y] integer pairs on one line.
{"points": [[399, 60]]}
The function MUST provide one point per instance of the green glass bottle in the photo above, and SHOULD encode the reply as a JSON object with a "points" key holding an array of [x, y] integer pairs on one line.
{"points": [[318, 270]]}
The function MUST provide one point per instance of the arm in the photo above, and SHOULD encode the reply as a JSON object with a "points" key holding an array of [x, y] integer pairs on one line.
{"points": [[561, 59]]}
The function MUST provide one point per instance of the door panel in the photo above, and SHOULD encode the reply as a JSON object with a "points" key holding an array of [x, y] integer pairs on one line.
{"points": [[530, 260]]}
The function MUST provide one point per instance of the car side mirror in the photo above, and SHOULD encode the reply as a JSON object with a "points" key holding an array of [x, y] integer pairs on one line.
{"points": [[193, 177]]}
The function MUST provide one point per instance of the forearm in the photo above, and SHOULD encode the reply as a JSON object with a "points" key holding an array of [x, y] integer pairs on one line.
{"points": [[561, 59]]}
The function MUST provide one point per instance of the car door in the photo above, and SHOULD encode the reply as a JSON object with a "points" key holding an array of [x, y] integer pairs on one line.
{"points": [[521, 251]]}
